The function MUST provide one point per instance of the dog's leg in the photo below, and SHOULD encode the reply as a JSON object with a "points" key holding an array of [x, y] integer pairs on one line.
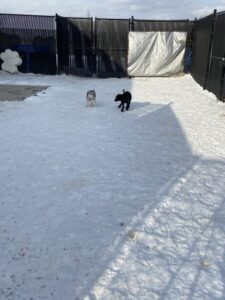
{"points": [[122, 107], [128, 105]]}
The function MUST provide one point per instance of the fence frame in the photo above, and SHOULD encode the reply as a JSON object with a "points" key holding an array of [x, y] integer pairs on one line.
{"points": [[67, 49]]}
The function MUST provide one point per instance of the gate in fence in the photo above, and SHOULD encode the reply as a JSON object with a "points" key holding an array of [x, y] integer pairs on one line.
{"points": [[208, 67], [159, 47], [111, 44], [74, 45], [33, 37]]}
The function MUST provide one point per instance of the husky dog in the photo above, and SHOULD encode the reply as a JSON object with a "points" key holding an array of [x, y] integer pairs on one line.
{"points": [[125, 98], [91, 98]]}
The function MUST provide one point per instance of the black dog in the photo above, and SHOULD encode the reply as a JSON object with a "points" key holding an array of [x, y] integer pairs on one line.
{"points": [[124, 98]]}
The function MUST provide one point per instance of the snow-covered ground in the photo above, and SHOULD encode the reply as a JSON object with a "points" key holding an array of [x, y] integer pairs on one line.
{"points": [[100, 204]]}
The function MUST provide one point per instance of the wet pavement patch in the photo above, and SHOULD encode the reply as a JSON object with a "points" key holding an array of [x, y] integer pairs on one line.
{"points": [[19, 92]]}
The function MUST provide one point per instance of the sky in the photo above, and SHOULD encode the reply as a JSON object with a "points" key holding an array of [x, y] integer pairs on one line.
{"points": [[140, 9]]}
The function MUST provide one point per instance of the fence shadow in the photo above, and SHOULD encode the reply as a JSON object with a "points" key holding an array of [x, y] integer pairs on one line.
{"points": [[175, 226], [162, 147], [179, 243]]}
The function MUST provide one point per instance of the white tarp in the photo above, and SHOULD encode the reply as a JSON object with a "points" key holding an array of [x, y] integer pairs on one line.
{"points": [[156, 53]]}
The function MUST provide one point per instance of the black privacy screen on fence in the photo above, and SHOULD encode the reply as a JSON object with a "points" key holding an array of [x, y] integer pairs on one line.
{"points": [[162, 25], [33, 37], [208, 66], [111, 44], [74, 45], [201, 49], [215, 79]]}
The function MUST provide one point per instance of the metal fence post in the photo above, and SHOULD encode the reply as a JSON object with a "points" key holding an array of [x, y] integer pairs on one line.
{"points": [[210, 48], [131, 25], [96, 58], [56, 44], [193, 39], [222, 81], [92, 50]]}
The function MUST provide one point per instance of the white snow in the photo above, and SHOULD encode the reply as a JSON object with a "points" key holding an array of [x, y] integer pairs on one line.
{"points": [[100, 204]]}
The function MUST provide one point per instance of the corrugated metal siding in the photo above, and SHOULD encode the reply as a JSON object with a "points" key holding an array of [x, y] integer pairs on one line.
{"points": [[33, 37]]}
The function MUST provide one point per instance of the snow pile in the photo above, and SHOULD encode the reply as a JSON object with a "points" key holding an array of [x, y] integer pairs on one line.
{"points": [[99, 204]]}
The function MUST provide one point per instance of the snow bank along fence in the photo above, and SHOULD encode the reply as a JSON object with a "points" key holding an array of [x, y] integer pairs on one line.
{"points": [[208, 62]]}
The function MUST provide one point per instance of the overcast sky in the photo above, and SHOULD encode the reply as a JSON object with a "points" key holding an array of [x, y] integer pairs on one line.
{"points": [[140, 9]]}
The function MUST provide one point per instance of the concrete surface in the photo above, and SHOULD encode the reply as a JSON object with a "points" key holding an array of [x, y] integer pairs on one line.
{"points": [[18, 92]]}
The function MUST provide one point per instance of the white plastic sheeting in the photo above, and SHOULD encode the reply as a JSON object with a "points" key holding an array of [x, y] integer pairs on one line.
{"points": [[156, 53]]}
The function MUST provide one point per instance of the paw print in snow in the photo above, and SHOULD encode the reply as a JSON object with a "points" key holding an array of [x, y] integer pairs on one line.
{"points": [[11, 60]]}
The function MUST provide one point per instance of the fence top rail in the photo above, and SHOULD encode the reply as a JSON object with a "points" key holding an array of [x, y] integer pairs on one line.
{"points": [[79, 18], [28, 22], [112, 19], [99, 18], [205, 17], [151, 20], [26, 15], [221, 13]]}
